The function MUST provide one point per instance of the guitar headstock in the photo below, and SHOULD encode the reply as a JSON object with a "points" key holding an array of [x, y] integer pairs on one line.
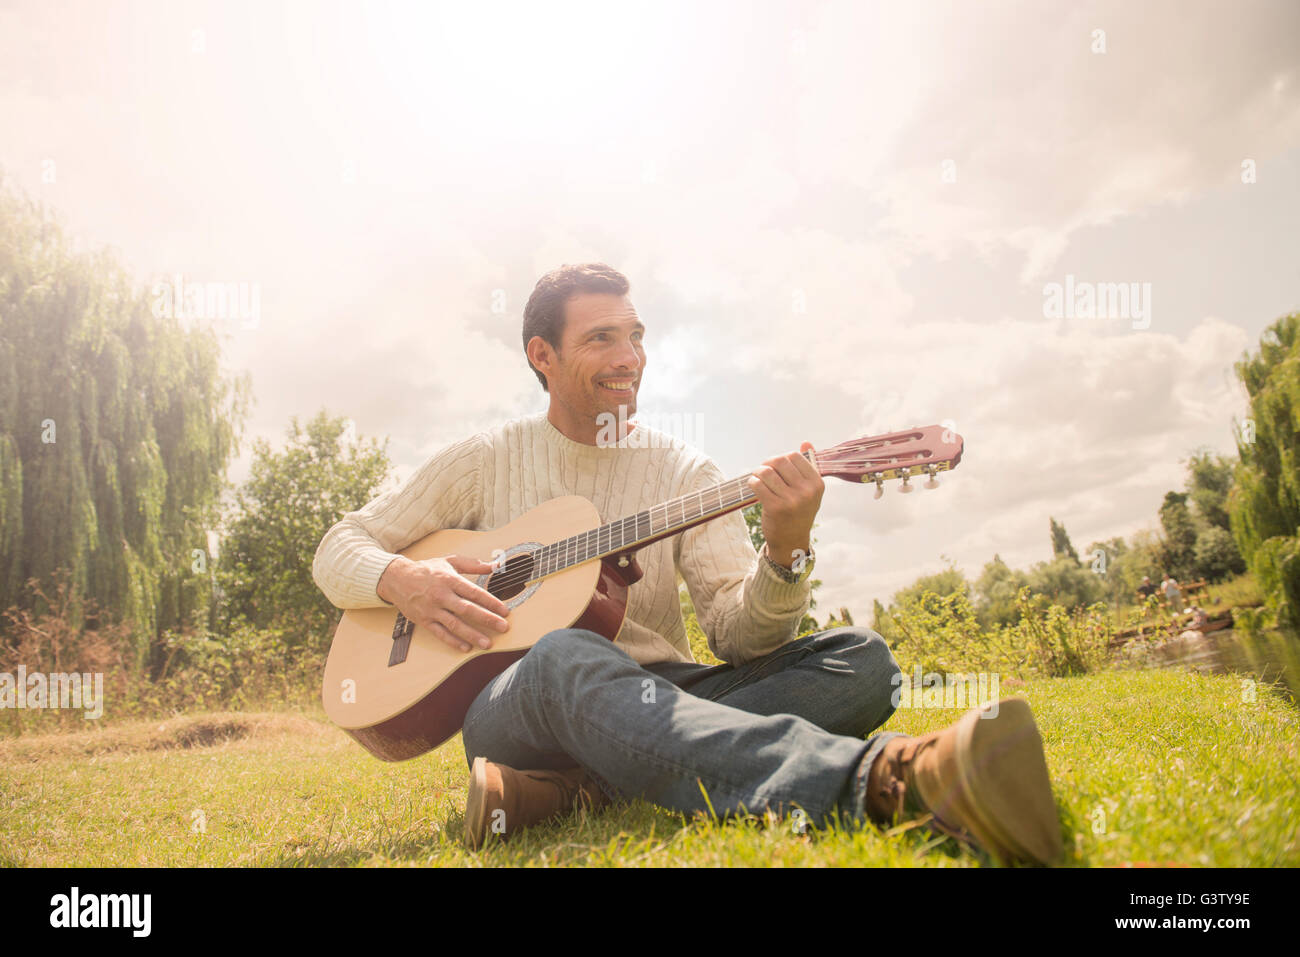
{"points": [[926, 450]]}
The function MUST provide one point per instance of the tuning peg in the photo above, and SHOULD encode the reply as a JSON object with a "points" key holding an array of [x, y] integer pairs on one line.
{"points": [[880, 486], [931, 483], [905, 488]]}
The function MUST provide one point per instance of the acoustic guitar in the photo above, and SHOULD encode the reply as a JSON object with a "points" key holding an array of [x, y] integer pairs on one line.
{"points": [[400, 691]]}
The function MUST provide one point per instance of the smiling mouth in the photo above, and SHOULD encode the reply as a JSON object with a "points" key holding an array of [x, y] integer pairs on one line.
{"points": [[621, 386]]}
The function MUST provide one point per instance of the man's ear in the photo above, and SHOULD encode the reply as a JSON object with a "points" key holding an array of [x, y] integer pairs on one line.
{"points": [[541, 355]]}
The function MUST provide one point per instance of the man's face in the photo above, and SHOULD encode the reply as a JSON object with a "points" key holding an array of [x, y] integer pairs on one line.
{"points": [[600, 360]]}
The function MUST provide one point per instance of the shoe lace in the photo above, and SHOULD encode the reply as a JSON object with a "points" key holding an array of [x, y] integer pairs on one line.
{"points": [[899, 799], [891, 790]]}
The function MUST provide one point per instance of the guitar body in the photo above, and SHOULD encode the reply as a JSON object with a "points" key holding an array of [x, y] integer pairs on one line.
{"points": [[398, 709]]}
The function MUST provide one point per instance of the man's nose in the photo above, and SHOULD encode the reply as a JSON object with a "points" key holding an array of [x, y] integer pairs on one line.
{"points": [[628, 358]]}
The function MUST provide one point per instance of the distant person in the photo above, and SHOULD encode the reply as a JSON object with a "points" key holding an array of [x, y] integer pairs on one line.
{"points": [[1172, 594], [1147, 588], [1196, 620]]}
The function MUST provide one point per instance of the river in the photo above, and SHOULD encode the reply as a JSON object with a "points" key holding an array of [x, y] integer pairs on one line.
{"points": [[1269, 657]]}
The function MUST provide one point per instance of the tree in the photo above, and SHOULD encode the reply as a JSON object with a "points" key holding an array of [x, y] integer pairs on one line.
{"points": [[950, 581], [116, 426], [1128, 562], [882, 624], [1061, 547], [1264, 503], [1216, 555], [995, 593], [1066, 583], [1179, 551], [281, 513], [1110, 551], [1208, 482]]}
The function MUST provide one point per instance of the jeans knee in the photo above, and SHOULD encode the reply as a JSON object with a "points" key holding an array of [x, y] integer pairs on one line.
{"points": [[883, 665], [876, 668], [868, 648], [878, 655], [567, 646]]}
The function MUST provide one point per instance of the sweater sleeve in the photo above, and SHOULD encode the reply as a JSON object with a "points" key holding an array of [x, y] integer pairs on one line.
{"points": [[744, 607], [445, 492]]}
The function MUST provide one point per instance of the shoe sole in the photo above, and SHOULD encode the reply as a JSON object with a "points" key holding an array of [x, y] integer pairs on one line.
{"points": [[475, 807], [1004, 779]]}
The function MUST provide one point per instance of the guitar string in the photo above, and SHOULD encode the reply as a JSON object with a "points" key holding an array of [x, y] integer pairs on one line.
{"points": [[580, 542]]}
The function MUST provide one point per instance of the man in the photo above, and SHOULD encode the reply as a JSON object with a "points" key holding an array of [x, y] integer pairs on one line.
{"points": [[1172, 593], [1147, 588], [579, 720]]}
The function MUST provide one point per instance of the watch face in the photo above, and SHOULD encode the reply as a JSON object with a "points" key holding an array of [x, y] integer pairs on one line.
{"points": [[800, 570], [803, 565]]}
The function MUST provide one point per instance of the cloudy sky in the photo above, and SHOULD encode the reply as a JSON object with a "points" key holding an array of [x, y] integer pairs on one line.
{"points": [[838, 219]]}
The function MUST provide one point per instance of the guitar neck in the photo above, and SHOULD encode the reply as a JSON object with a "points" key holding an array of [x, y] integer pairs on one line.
{"points": [[918, 451], [648, 526]]}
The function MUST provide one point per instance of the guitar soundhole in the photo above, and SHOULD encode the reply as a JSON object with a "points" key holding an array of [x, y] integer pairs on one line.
{"points": [[513, 579]]}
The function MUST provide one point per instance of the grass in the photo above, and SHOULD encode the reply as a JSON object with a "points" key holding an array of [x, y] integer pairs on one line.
{"points": [[1153, 767]]}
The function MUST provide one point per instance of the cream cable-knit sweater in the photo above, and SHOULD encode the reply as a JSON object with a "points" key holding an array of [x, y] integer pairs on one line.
{"points": [[492, 478]]}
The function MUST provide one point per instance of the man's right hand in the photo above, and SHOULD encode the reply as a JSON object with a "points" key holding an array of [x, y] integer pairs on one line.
{"points": [[435, 594]]}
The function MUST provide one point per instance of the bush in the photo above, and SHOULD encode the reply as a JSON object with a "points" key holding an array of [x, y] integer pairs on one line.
{"points": [[54, 643], [1060, 642], [248, 669], [942, 634], [245, 670]]}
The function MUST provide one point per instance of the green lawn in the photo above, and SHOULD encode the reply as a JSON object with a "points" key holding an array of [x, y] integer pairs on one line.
{"points": [[1155, 767]]}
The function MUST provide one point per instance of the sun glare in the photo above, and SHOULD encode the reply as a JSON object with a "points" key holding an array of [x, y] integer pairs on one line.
{"points": [[514, 65]]}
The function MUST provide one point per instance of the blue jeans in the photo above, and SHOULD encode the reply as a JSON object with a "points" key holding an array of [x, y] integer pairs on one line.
{"points": [[782, 732]]}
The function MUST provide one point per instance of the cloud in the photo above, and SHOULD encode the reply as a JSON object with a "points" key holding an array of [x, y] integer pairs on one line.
{"points": [[1071, 421]]}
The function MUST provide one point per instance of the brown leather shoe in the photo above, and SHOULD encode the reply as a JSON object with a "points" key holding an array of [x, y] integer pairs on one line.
{"points": [[504, 801], [983, 778]]}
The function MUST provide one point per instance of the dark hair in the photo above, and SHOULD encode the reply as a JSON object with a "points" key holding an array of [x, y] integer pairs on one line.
{"points": [[544, 312]]}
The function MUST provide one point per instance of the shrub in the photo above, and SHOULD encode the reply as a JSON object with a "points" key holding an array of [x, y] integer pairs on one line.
{"points": [[248, 669], [1060, 642]]}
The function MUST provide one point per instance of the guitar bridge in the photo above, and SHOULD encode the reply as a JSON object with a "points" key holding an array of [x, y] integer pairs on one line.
{"points": [[402, 632]]}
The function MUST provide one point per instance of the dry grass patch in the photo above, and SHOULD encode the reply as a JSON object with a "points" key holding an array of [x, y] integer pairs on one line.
{"points": [[183, 732]]}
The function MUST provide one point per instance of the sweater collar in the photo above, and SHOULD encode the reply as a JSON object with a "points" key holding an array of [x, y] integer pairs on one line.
{"points": [[558, 439]]}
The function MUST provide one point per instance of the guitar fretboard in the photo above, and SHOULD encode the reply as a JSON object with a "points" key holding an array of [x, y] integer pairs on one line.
{"points": [[644, 527]]}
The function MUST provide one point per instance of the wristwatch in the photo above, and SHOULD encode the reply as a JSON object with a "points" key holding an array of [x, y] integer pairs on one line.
{"points": [[789, 574]]}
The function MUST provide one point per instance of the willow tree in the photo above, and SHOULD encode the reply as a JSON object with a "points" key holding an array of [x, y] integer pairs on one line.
{"points": [[1264, 504], [115, 430]]}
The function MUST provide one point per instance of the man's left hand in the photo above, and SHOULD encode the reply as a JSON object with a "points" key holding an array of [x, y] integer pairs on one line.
{"points": [[790, 491]]}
